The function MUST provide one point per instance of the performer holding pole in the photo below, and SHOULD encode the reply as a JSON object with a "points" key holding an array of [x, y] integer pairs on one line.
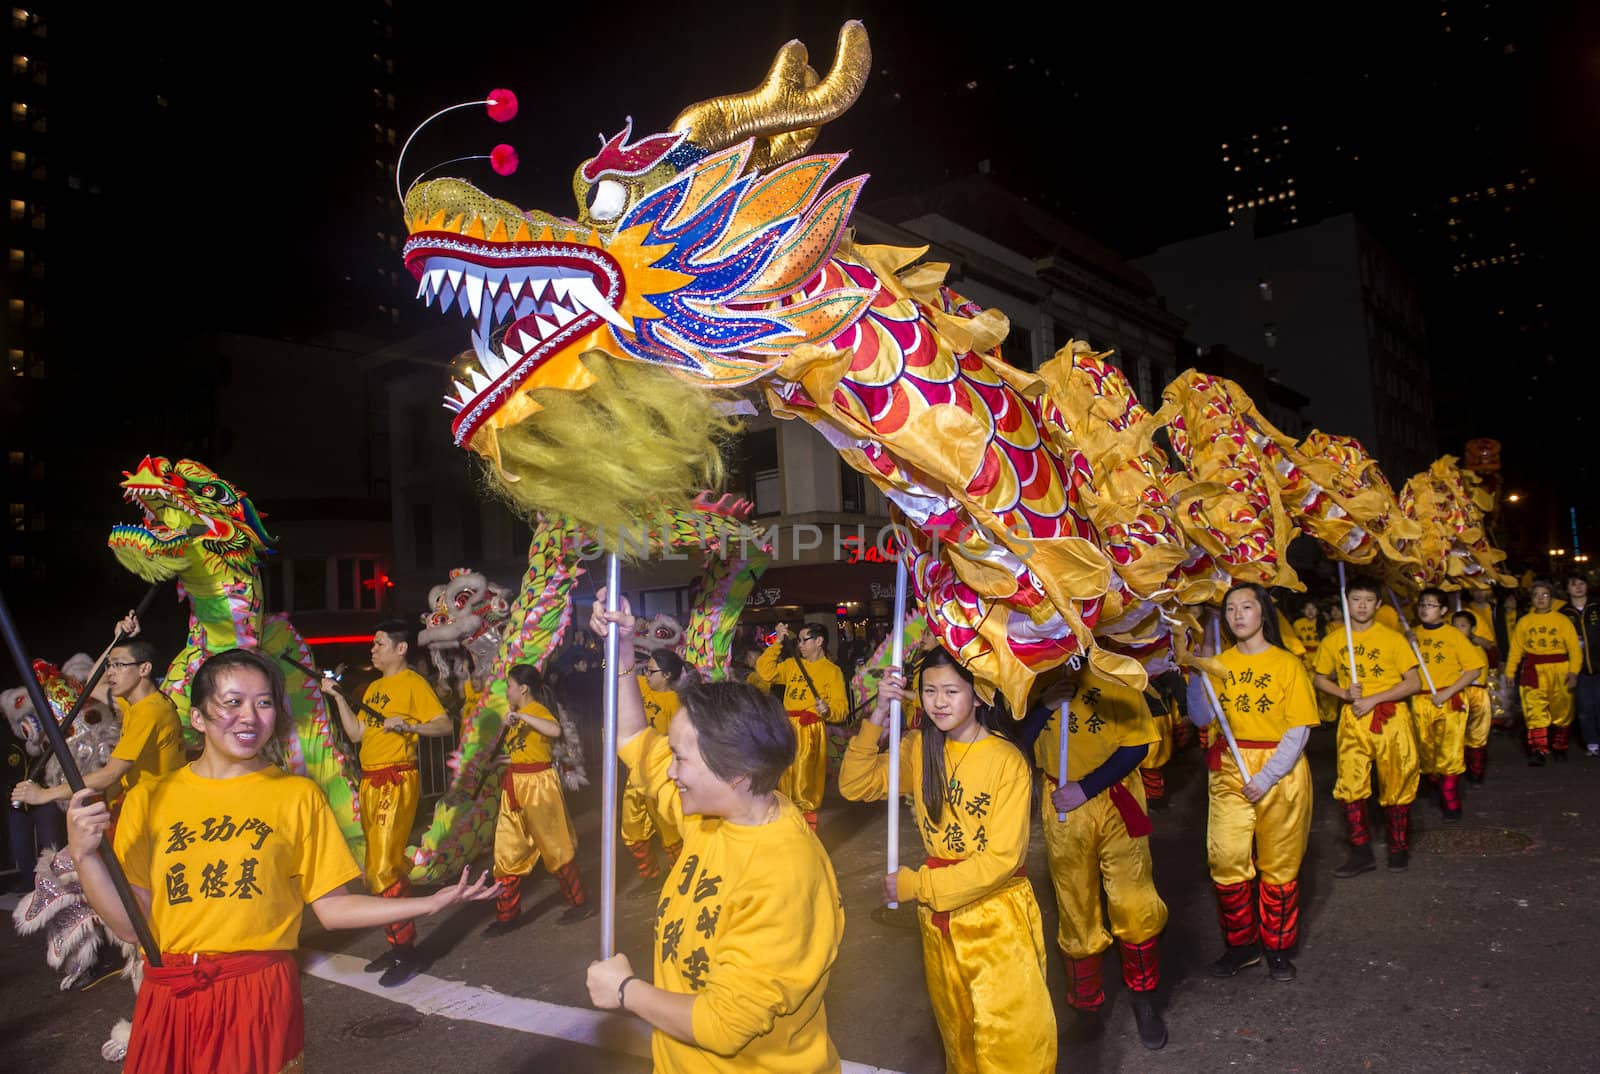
{"points": [[748, 928], [1375, 727], [897, 661], [1451, 664], [982, 937], [1545, 657], [1411, 636], [228, 852], [608, 777], [1259, 823], [813, 694], [1215, 631]]}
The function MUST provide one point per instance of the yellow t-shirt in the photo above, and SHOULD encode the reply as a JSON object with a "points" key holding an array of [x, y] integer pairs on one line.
{"points": [[1265, 694], [1103, 717], [1483, 616], [1306, 631], [230, 863], [1388, 617], [526, 744], [151, 739], [660, 706], [983, 824], [407, 695], [1449, 653], [797, 696], [749, 923], [1545, 634], [1383, 657]]}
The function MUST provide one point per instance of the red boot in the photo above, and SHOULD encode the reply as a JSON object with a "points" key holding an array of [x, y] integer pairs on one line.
{"points": [[1450, 797], [1085, 991], [1236, 913], [1477, 758], [1399, 821], [644, 861], [508, 898], [1280, 915]]}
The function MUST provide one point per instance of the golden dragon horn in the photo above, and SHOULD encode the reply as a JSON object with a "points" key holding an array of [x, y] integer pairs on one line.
{"points": [[785, 112]]}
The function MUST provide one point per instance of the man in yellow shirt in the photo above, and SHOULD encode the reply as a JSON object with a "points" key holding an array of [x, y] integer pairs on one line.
{"points": [[1375, 727], [396, 708], [1545, 657], [813, 694], [151, 742], [1453, 664]]}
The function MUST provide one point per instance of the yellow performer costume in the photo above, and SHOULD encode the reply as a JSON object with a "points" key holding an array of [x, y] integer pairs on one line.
{"points": [[1384, 738], [533, 822], [803, 783], [982, 938], [1544, 656], [1265, 697], [1164, 715], [748, 924], [640, 819], [1103, 842], [1442, 727], [390, 786]]}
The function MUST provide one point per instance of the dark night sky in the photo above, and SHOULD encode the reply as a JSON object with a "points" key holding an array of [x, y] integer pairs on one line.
{"points": [[234, 199]]}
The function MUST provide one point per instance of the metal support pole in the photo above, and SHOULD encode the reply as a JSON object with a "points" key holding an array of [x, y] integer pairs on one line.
{"points": [[608, 781], [897, 661]]}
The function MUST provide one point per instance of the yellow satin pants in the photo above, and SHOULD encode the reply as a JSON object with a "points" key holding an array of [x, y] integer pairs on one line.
{"points": [[1550, 703], [986, 981], [386, 815], [1478, 717], [1091, 849], [1441, 736], [804, 780], [641, 819], [537, 827], [1269, 836], [1393, 751]]}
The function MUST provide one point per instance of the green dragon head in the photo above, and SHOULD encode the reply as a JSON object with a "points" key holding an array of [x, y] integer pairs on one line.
{"points": [[196, 525]]}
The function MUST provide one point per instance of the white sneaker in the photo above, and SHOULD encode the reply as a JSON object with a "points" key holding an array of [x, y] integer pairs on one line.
{"points": [[1593, 750]]}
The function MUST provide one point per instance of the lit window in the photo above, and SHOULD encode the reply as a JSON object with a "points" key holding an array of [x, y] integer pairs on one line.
{"points": [[19, 111], [18, 307], [19, 517], [1230, 197], [1236, 167], [18, 361], [17, 258], [1224, 145], [16, 460], [1264, 288], [20, 65], [19, 160], [20, 18]]}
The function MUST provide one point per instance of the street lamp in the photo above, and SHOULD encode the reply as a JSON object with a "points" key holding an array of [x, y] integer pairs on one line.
{"points": [[1515, 497]]}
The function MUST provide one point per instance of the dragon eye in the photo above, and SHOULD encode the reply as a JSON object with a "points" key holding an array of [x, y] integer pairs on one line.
{"points": [[607, 199]]}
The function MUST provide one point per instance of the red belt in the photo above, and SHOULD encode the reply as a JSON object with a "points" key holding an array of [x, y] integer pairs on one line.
{"points": [[388, 776], [805, 717], [940, 919], [185, 974], [1214, 751], [1529, 675], [1382, 713], [509, 785], [1135, 819], [1457, 703]]}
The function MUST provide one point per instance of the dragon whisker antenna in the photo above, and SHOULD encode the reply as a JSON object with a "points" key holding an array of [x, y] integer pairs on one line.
{"points": [[502, 108], [503, 159]]}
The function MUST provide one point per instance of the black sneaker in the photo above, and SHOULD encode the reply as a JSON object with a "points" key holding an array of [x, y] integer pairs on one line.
{"points": [[1398, 860], [1235, 959], [1453, 816], [1279, 968], [383, 961], [1559, 755], [1085, 1026], [1536, 759], [1359, 860], [407, 964], [573, 914], [1152, 1030], [500, 928]]}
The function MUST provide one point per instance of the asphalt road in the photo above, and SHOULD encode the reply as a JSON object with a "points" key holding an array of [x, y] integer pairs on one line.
{"points": [[1481, 957]]}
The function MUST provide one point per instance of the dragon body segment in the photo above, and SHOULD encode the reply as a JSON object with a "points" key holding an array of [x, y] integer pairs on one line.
{"points": [[204, 532]]}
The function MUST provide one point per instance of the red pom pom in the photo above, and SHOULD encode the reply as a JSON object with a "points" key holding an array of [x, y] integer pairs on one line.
{"points": [[502, 105], [503, 159]]}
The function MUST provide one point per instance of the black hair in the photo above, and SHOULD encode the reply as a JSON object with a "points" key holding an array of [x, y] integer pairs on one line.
{"points": [[140, 651], [206, 677], [1364, 585], [530, 679], [1269, 613], [1471, 619], [1537, 582], [1437, 594], [670, 662], [743, 732], [397, 631], [934, 784]]}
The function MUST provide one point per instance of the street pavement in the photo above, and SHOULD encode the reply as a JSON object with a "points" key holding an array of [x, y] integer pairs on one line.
{"points": [[1480, 957]]}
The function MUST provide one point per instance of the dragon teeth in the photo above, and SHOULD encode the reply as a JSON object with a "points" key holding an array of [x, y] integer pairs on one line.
{"points": [[474, 293]]}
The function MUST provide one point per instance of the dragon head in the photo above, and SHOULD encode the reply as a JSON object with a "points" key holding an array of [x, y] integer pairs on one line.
{"points": [[689, 253], [195, 525]]}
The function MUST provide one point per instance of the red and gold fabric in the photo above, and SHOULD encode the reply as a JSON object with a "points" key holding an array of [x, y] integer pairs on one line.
{"points": [[982, 936]]}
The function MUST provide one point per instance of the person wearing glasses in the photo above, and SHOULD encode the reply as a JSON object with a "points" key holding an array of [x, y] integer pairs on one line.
{"points": [[640, 817], [1454, 664], [151, 742], [813, 694]]}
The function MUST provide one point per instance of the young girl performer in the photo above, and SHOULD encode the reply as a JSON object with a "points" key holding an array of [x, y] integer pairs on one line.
{"points": [[748, 926], [982, 938], [1475, 743], [640, 818], [1260, 825], [224, 855], [533, 820], [1455, 664]]}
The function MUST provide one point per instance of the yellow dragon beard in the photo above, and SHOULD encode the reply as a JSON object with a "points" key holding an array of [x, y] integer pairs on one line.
{"points": [[635, 442]]}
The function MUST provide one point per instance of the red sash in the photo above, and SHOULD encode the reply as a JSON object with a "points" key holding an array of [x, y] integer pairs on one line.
{"points": [[805, 718], [1382, 713], [388, 776], [1528, 675], [509, 785], [1136, 820], [940, 919], [184, 1016], [1214, 751]]}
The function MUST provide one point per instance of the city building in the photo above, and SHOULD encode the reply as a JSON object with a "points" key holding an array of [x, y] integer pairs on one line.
{"points": [[1330, 310]]}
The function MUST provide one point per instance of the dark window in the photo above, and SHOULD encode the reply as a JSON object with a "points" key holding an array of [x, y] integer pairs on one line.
{"points": [[1018, 347], [852, 489], [752, 465], [347, 583], [310, 585]]}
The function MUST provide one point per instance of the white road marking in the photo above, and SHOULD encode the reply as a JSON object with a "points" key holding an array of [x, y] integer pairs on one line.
{"points": [[456, 999]]}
